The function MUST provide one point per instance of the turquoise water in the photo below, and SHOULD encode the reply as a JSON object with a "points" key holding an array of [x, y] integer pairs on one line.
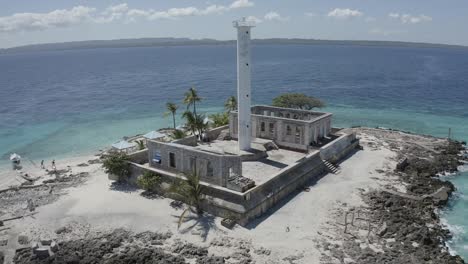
{"points": [[455, 216], [66, 103]]}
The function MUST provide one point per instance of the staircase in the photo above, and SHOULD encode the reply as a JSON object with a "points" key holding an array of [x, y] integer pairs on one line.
{"points": [[330, 167]]}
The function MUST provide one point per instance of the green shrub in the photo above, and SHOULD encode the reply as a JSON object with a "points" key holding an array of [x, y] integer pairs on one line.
{"points": [[149, 181], [117, 164], [178, 134], [220, 119]]}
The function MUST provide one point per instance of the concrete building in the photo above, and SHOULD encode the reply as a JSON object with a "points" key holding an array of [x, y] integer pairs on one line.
{"points": [[265, 154], [288, 128], [188, 156]]}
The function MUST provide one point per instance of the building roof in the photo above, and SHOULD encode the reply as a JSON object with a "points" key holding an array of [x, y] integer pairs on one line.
{"points": [[123, 144], [153, 135]]}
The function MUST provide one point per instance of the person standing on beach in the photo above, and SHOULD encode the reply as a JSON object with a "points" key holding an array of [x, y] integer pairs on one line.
{"points": [[42, 164], [53, 165]]}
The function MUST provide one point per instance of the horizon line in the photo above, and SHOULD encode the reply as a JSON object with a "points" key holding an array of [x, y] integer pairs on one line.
{"points": [[182, 40]]}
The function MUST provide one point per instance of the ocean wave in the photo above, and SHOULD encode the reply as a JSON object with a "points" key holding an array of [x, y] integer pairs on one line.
{"points": [[456, 230], [457, 235], [463, 168]]}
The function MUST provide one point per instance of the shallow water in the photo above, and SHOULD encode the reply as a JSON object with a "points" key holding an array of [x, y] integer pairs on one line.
{"points": [[60, 104], [455, 215]]}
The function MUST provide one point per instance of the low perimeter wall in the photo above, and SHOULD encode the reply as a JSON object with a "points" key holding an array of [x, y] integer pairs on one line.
{"points": [[339, 148], [244, 207], [139, 157]]}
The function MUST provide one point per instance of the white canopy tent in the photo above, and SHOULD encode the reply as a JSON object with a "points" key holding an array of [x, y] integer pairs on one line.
{"points": [[153, 135], [124, 146], [15, 157]]}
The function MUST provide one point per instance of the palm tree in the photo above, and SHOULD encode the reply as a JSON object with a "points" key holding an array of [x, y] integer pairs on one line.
{"points": [[191, 192], [191, 98], [195, 122], [141, 144], [231, 104], [190, 121], [171, 109]]}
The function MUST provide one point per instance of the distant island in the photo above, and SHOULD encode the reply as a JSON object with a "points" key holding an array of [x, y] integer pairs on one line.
{"points": [[162, 42]]}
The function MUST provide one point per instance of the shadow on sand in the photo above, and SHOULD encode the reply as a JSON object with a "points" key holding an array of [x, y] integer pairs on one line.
{"points": [[123, 187], [254, 223], [198, 224]]}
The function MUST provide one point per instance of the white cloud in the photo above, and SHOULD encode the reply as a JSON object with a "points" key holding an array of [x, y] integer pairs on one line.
{"points": [[121, 8], [410, 19], [254, 19], [274, 16], [345, 13], [311, 14], [187, 11], [42, 21], [241, 4], [120, 12], [112, 13]]}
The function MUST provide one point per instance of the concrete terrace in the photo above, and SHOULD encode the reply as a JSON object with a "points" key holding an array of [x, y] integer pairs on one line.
{"points": [[261, 169], [231, 146], [267, 168]]}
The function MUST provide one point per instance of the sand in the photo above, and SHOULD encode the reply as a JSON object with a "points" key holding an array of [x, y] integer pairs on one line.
{"points": [[292, 230]]}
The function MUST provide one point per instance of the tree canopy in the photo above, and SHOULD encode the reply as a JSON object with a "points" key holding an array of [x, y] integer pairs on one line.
{"points": [[191, 98], [231, 104], [297, 100]]}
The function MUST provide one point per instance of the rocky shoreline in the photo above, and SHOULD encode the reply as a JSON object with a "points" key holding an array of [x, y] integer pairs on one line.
{"points": [[121, 246], [403, 226]]}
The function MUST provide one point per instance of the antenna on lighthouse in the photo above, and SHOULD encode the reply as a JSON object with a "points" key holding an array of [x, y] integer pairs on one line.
{"points": [[243, 82]]}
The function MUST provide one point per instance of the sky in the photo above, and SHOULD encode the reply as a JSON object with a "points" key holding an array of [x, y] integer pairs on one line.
{"points": [[45, 21]]}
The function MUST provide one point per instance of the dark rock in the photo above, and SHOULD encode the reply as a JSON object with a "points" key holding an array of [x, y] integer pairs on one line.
{"points": [[211, 260], [382, 230], [41, 252], [23, 240], [61, 230], [46, 242], [441, 196], [228, 223]]}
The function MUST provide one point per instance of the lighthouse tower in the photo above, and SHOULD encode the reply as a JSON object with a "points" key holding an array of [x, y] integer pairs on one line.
{"points": [[243, 82]]}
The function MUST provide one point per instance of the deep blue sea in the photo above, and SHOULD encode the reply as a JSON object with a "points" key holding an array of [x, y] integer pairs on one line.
{"points": [[64, 103]]}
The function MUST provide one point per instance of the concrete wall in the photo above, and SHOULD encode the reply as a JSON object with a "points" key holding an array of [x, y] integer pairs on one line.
{"points": [[187, 141], [265, 196], [335, 150], [187, 159], [214, 133], [140, 157], [302, 133], [257, 201]]}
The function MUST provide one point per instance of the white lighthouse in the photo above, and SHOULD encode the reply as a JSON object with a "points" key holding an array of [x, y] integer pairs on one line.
{"points": [[243, 82]]}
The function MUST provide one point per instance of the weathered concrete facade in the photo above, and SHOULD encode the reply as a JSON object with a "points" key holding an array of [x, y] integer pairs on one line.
{"points": [[288, 128], [212, 167]]}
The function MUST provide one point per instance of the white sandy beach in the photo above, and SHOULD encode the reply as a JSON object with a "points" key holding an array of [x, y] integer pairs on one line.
{"points": [[292, 229]]}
